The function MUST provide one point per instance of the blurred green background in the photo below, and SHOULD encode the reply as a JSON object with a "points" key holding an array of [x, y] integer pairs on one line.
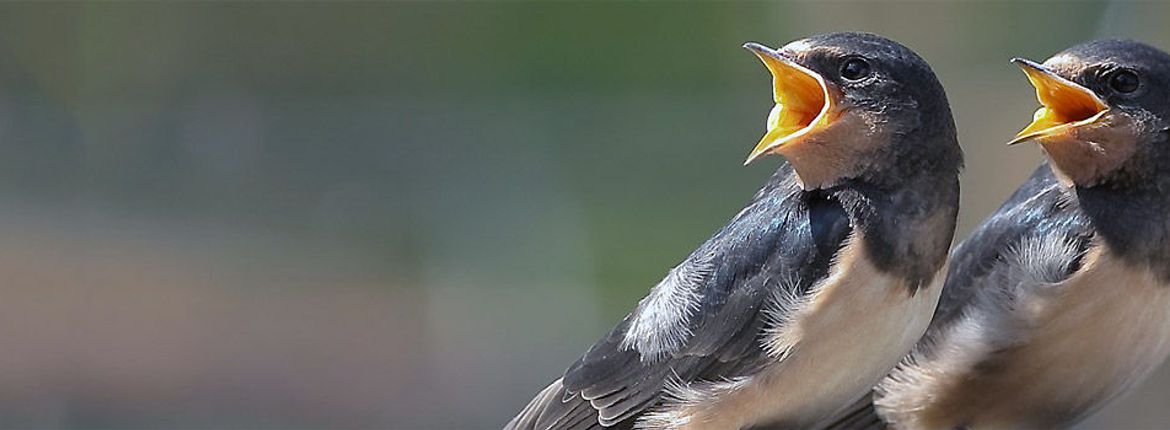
{"points": [[409, 215]]}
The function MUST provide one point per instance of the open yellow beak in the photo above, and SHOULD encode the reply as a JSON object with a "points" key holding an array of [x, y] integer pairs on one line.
{"points": [[802, 101], [1066, 105]]}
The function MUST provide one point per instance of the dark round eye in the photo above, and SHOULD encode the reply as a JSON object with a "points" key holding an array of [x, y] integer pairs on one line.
{"points": [[1124, 81], [854, 69]]}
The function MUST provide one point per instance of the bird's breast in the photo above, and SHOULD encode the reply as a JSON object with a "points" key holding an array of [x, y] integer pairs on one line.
{"points": [[1075, 345], [830, 349]]}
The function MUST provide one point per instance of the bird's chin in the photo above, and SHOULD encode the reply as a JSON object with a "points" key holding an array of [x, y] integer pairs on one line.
{"points": [[841, 150], [1089, 154]]}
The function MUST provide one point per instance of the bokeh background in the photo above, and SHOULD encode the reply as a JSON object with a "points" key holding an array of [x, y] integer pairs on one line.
{"points": [[409, 215]]}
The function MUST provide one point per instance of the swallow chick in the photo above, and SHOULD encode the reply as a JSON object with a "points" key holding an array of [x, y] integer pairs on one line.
{"points": [[1060, 301], [817, 288]]}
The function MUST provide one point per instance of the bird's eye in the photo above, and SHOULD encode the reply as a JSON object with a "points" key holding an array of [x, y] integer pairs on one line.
{"points": [[854, 69], [1124, 81]]}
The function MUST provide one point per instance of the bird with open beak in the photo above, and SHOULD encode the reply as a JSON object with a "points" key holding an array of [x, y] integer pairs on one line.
{"points": [[816, 289], [1060, 301]]}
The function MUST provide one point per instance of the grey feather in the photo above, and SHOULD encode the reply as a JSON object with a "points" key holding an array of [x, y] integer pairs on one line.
{"points": [[662, 321]]}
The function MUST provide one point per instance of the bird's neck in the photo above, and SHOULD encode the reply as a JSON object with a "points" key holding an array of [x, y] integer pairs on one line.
{"points": [[882, 212], [1131, 220]]}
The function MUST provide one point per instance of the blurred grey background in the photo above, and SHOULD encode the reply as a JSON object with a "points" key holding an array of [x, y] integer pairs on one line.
{"points": [[409, 215]]}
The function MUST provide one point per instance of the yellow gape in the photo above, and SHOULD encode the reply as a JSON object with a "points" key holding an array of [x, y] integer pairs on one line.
{"points": [[802, 101], [1066, 105]]}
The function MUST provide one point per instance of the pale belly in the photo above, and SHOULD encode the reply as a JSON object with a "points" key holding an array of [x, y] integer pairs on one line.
{"points": [[1084, 342], [847, 335]]}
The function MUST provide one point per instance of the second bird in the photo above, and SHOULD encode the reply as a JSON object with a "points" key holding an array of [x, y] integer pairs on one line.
{"points": [[817, 288], [1060, 301]]}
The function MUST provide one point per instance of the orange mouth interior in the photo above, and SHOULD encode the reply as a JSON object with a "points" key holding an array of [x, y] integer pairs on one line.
{"points": [[1065, 104], [802, 101]]}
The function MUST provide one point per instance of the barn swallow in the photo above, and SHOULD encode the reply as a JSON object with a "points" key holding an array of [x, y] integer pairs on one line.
{"points": [[817, 288], [1060, 301]]}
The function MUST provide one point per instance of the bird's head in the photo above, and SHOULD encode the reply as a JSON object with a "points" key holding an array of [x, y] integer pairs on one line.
{"points": [[855, 105], [1105, 114]]}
